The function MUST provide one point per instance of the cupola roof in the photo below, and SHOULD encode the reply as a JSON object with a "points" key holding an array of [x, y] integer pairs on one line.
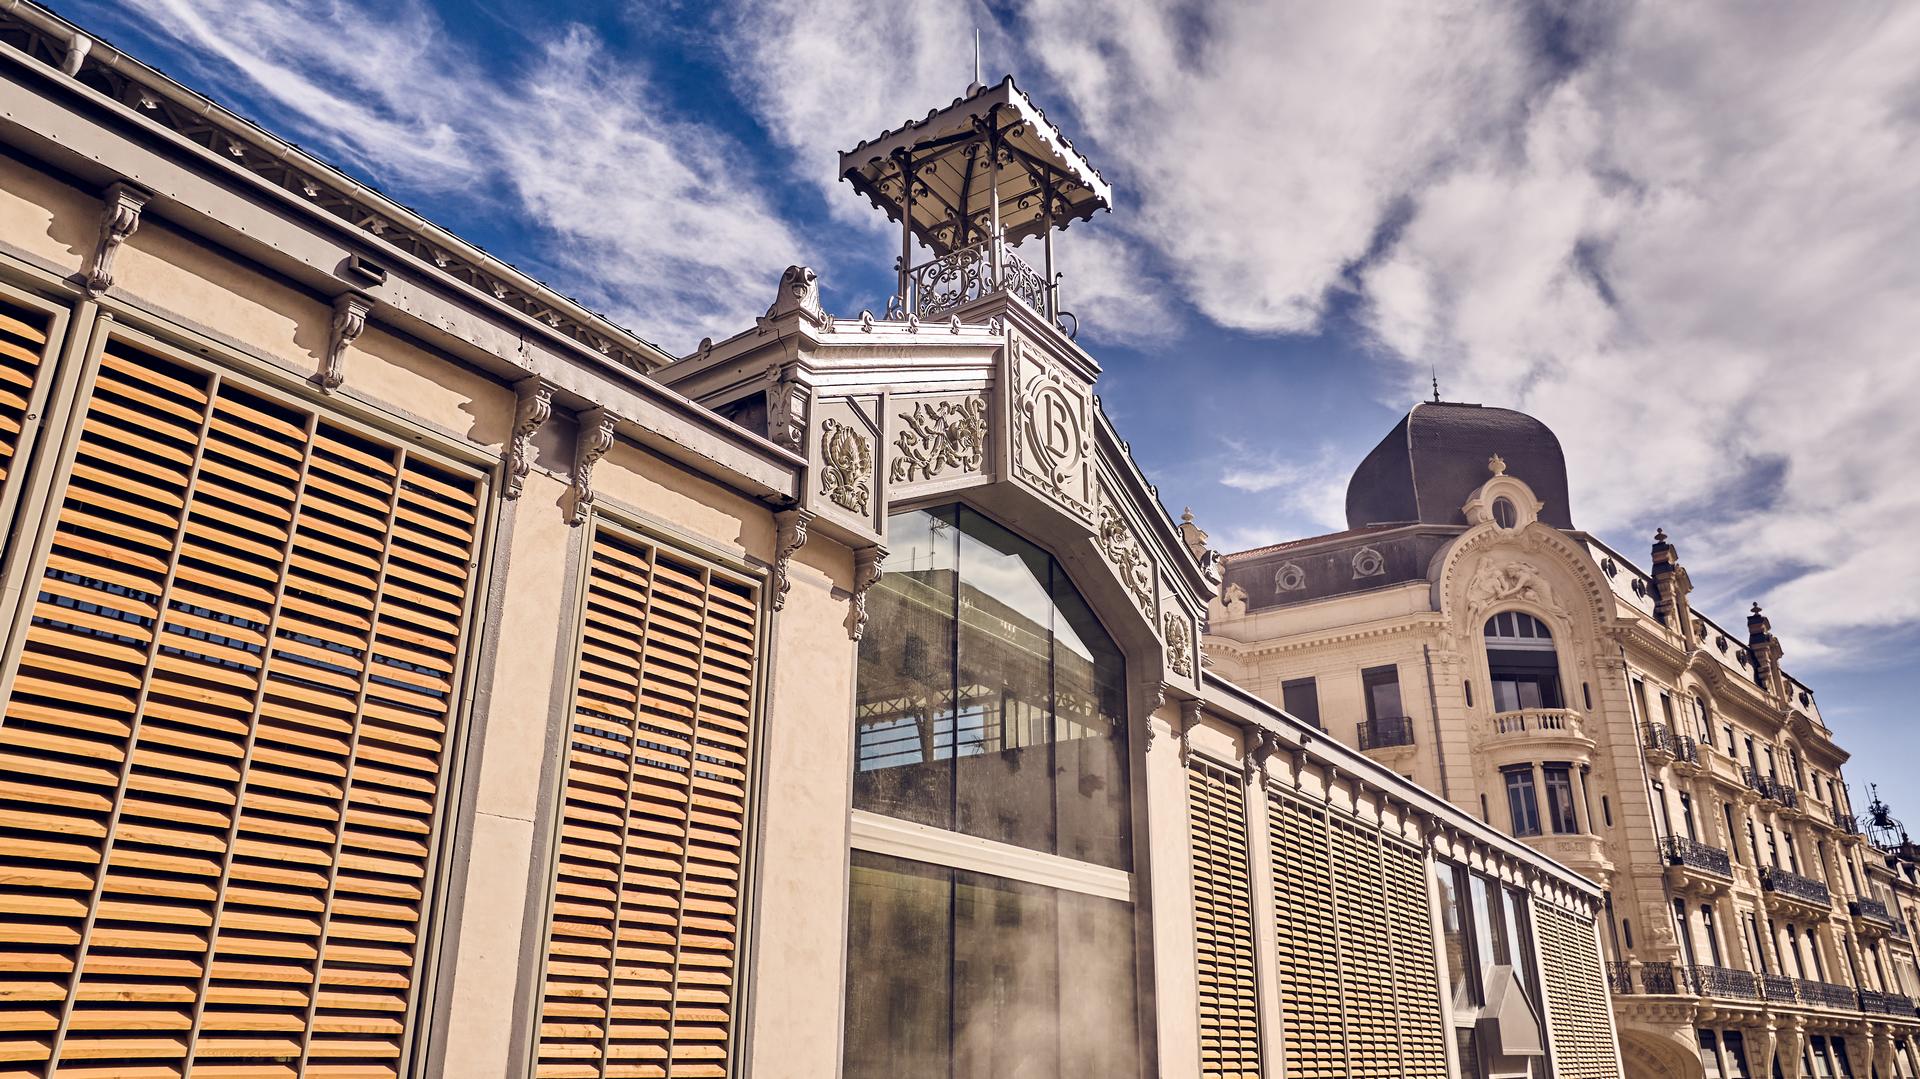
{"points": [[1437, 456]]}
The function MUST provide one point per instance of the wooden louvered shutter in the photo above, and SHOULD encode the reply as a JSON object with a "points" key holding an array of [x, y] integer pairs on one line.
{"points": [[23, 353], [1366, 953], [641, 955], [1577, 1001], [1311, 1002], [1223, 923], [223, 755], [1416, 972]]}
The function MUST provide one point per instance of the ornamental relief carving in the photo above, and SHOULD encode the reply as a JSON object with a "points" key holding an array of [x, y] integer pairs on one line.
{"points": [[1179, 644], [846, 458], [1054, 421], [1492, 583], [946, 434], [1124, 553]]}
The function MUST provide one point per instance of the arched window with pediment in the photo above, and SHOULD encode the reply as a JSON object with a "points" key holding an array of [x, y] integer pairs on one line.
{"points": [[1522, 663]]}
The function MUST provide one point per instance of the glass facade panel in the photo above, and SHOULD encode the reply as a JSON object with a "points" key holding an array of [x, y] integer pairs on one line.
{"points": [[960, 975], [1521, 803], [990, 701], [904, 704]]}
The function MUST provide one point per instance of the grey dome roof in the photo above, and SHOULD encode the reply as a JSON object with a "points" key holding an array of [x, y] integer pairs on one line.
{"points": [[1436, 457]]}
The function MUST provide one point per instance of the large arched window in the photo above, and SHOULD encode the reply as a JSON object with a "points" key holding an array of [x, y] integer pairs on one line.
{"points": [[1521, 660], [989, 931]]}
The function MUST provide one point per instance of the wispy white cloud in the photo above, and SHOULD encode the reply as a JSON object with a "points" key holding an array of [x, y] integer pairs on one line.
{"points": [[659, 220], [1306, 493]]}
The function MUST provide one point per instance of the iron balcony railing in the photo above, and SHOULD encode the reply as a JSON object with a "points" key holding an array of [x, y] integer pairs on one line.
{"points": [[1723, 982], [1657, 978], [1886, 1003], [1656, 737], [1385, 731], [1620, 978], [1793, 885], [1871, 909], [1680, 850], [939, 287], [1782, 793], [1846, 822], [1825, 994], [1778, 987], [1753, 779]]}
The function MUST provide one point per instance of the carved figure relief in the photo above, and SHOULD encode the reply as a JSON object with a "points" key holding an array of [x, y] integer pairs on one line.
{"points": [[799, 291], [1368, 562], [1289, 578], [846, 463], [947, 434], [1179, 644], [1128, 559], [1492, 583]]}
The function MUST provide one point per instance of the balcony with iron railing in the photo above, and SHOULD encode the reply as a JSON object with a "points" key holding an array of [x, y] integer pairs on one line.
{"points": [[1691, 854], [1846, 822], [1385, 732], [1825, 994], [1659, 979], [1620, 978], [1725, 982], [1793, 886], [1754, 781], [1879, 1003], [940, 287], [1778, 988], [1871, 917], [1666, 746]]}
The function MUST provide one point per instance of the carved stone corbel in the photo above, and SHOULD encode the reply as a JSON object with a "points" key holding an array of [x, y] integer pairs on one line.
{"points": [[1260, 750], [786, 423], [349, 320], [118, 218], [1189, 719], [789, 535], [591, 443], [1159, 700], [866, 574], [532, 410]]}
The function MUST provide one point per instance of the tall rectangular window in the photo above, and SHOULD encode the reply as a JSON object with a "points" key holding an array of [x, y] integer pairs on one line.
{"points": [[1301, 698], [1522, 805], [1558, 780], [1710, 1054], [1382, 686]]}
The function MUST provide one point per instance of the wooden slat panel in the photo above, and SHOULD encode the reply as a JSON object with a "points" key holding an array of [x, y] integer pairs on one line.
{"points": [[640, 969], [1223, 923], [231, 722], [1577, 1002]]}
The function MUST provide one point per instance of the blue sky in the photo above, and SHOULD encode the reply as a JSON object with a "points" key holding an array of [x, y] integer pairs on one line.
{"points": [[1683, 236]]}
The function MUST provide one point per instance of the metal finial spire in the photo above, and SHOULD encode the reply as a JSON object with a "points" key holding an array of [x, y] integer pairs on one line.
{"points": [[977, 84], [1436, 384]]}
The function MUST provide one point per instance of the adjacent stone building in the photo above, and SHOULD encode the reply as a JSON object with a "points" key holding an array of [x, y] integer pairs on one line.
{"points": [[1463, 632], [406, 672]]}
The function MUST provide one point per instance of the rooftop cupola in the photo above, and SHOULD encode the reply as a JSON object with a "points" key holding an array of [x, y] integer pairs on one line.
{"points": [[971, 182]]}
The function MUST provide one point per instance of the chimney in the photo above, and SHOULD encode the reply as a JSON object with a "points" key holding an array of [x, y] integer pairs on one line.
{"points": [[1670, 589], [1766, 652]]}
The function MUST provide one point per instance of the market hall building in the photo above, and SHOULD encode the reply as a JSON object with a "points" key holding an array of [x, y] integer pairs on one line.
{"points": [[406, 672]]}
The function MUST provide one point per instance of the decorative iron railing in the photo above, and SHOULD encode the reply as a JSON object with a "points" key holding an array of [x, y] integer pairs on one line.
{"points": [[1753, 779], [1385, 731], [1684, 749], [1780, 792], [1680, 850], [1620, 978], [939, 287], [1885, 1003], [1656, 737], [1724, 982], [1657, 978], [1846, 822], [1793, 885], [1871, 909], [1778, 987], [1825, 994]]}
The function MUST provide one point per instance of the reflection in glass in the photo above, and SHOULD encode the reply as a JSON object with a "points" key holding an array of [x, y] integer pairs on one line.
{"points": [[990, 701], [904, 708], [1454, 918]]}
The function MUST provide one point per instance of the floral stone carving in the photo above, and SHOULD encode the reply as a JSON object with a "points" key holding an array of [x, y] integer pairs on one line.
{"points": [[945, 435], [846, 462], [1179, 644], [1128, 560]]}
